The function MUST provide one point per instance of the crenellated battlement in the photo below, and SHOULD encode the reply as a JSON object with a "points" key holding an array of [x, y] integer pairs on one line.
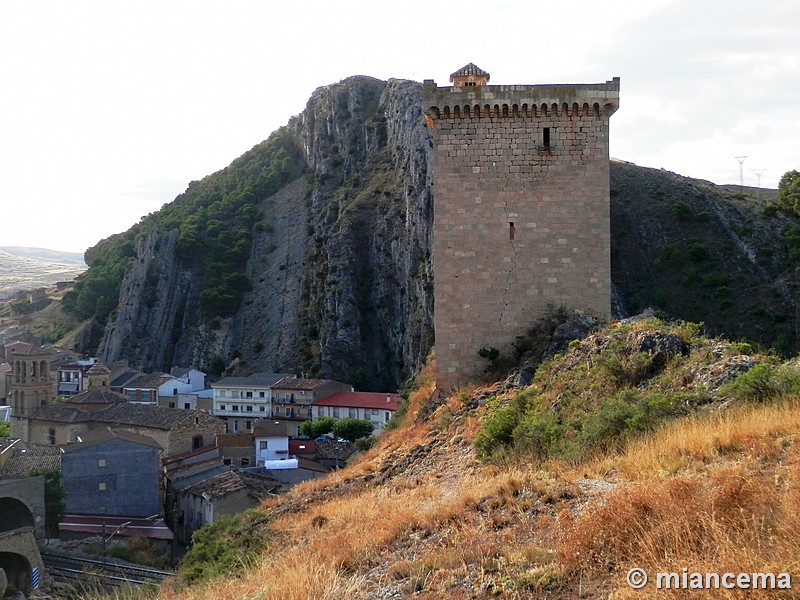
{"points": [[515, 101]]}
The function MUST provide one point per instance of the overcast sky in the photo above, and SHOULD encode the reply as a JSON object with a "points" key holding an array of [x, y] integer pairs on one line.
{"points": [[108, 109]]}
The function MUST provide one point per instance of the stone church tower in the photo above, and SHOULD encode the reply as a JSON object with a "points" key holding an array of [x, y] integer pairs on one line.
{"points": [[31, 385], [521, 210]]}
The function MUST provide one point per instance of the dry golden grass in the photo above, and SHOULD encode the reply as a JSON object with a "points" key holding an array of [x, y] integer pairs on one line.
{"points": [[691, 444], [732, 507], [714, 492], [324, 551]]}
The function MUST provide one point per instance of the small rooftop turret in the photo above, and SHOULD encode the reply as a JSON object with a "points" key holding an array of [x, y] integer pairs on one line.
{"points": [[469, 75]]}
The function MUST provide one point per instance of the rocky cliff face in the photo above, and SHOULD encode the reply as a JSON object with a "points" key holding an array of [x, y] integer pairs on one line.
{"points": [[341, 270], [340, 266]]}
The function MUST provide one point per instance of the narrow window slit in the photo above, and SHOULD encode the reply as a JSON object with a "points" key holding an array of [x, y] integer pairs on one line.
{"points": [[511, 230]]}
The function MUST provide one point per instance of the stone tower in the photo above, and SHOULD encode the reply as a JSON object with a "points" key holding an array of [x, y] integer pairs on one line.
{"points": [[521, 210], [31, 385]]}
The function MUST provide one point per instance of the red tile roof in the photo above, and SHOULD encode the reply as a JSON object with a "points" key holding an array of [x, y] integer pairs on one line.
{"points": [[360, 400]]}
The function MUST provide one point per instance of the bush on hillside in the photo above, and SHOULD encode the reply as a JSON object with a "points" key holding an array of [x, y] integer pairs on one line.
{"points": [[226, 547], [764, 382], [606, 390]]}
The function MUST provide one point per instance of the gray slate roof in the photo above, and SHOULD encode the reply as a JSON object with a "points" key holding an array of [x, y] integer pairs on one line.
{"points": [[25, 461], [220, 485], [123, 413], [122, 377], [270, 429], [98, 436], [97, 397], [254, 380], [145, 381]]}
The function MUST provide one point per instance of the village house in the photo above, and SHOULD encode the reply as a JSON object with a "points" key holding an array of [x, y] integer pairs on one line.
{"points": [[275, 458], [181, 470], [71, 377], [186, 390], [200, 400], [120, 376], [222, 495], [292, 399], [271, 440], [237, 449], [112, 472], [146, 389], [375, 407], [243, 400], [174, 430]]}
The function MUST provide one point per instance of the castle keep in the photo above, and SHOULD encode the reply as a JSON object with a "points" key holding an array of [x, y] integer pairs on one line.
{"points": [[521, 210]]}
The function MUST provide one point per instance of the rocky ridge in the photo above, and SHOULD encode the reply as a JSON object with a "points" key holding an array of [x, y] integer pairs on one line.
{"points": [[341, 264]]}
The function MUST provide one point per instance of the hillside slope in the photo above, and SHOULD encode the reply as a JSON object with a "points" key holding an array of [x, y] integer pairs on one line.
{"points": [[420, 515], [344, 288]]}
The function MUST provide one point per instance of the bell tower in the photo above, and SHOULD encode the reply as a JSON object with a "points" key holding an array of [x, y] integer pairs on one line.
{"points": [[32, 386]]}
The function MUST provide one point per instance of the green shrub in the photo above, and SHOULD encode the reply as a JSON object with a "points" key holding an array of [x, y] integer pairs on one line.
{"points": [[226, 547], [764, 382], [498, 430], [317, 427], [352, 429], [682, 210]]}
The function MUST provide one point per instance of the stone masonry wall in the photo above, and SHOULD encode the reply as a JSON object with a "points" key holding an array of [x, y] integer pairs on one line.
{"points": [[521, 212]]}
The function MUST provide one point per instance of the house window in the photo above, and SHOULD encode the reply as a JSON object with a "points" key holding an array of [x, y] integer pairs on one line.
{"points": [[248, 408], [235, 408], [262, 445], [197, 442], [262, 408], [387, 415], [262, 394], [336, 413], [511, 230], [51, 435], [172, 405], [245, 462], [353, 413], [248, 395], [226, 461], [101, 487], [187, 405], [174, 391], [101, 462], [248, 425], [546, 137], [374, 411], [222, 407]]}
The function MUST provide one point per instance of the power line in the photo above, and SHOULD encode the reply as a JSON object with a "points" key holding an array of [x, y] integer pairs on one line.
{"points": [[759, 173]]}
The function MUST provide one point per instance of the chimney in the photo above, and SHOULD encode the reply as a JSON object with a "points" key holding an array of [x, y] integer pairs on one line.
{"points": [[388, 398]]}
